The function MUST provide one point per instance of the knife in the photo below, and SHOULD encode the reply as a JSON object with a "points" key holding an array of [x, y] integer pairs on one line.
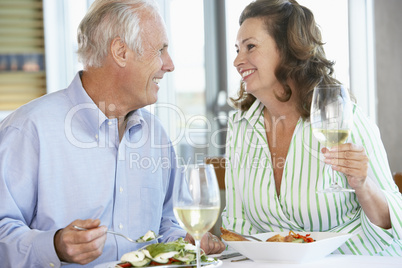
{"points": [[207, 264], [228, 256]]}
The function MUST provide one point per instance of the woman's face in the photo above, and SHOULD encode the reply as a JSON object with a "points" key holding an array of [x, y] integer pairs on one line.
{"points": [[257, 58]]}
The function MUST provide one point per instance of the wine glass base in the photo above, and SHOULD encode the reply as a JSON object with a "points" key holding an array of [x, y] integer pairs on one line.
{"points": [[336, 189]]}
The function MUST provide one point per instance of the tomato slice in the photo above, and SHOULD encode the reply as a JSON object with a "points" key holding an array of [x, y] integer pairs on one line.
{"points": [[124, 264]]}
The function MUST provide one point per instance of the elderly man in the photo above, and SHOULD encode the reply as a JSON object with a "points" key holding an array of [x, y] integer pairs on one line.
{"points": [[67, 158]]}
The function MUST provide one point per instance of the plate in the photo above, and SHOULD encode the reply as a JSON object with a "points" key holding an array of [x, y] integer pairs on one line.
{"points": [[217, 263], [325, 244]]}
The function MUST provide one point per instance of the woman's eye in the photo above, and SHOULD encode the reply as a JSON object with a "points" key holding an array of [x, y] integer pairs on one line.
{"points": [[250, 46]]}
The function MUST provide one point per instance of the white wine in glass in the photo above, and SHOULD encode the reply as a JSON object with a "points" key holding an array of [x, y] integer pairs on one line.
{"points": [[196, 200], [197, 220], [331, 119], [331, 137]]}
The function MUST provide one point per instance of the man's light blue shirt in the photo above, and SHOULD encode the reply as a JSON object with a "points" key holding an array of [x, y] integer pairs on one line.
{"points": [[61, 159]]}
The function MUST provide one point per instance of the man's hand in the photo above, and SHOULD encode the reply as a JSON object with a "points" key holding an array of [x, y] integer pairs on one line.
{"points": [[82, 247], [209, 243]]}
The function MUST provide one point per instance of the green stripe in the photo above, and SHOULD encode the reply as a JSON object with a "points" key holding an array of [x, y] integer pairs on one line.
{"points": [[370, 157], [267, 218], [309, 183], [338, 214], [350, 247], [293, 179], [255, 201], [361, 241], [268, 199], [285, 180], [252, 199], [381, 150], [241, 164], [233, 185], [375, 237], [317, 196], [300, 182], [355, 247], [328, 208]]}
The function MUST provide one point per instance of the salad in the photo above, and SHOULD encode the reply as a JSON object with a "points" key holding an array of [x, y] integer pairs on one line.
{"points": [[150, 235], [176, 252], [292, 237]]}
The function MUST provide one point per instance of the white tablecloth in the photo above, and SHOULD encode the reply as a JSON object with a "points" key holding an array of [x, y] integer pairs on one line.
{"points": [[331, 261]]}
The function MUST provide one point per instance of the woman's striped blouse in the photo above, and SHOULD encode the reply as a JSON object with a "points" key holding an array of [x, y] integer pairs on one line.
{"points": [[252, 205]]}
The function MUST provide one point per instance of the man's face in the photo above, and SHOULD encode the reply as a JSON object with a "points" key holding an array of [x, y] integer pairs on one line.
{"points": [[144, 72]]}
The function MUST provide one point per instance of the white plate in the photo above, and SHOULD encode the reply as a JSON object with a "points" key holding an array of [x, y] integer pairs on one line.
{"points": [[113, 264], [325, 244]]}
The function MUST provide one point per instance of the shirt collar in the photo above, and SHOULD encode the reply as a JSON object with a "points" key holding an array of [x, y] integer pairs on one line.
{"points": [[135, 118], [252, 114], [83, 106]]}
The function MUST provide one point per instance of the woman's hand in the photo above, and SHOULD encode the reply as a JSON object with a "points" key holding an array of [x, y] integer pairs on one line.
{"points": [[350, 159], [209, 243]]}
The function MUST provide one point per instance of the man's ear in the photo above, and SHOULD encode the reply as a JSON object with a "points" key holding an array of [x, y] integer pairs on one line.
{"points": [[119, 51]]}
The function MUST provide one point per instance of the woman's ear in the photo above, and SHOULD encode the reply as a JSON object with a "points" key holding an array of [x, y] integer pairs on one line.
{"points": [[119, 51]]}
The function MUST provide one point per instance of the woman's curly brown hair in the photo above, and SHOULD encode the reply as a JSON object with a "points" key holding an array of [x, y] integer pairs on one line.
{"points": [[302, 57]]}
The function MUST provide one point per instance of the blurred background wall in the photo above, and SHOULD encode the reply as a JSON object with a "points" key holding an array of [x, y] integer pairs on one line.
{"points": [[388, 48]]}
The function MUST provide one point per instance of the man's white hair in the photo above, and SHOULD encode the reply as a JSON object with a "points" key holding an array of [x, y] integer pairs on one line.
{"points": [[106, 20]]}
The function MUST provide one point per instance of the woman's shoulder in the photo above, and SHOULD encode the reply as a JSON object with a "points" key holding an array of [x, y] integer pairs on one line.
{"points": [[365, 127], [361, 116]]}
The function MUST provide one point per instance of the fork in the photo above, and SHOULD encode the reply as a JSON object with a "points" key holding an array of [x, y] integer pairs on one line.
{"points": [[247, 236], [120, 234]]}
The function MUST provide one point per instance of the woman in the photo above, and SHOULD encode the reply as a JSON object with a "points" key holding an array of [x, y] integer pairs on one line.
{"points": [[275, 167]]}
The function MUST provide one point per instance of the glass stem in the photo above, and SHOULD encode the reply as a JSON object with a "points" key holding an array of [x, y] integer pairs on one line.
{"points": [[333, 183], [198, 259]]}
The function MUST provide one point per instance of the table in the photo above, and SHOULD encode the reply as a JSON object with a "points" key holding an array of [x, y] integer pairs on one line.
{"points": [[331, 261]]}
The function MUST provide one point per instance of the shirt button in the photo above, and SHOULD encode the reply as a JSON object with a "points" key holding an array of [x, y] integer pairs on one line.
{"points": [[51, 264], [120, 226], [121, 189], [109, 123], [96, 137]]}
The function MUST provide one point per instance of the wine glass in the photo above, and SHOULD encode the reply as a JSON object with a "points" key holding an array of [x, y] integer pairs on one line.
{"points": [[196, 200], [331, 119]]}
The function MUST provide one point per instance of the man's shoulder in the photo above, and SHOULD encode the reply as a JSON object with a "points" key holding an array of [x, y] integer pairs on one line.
{"points": [[43, 108], [153, 121], [150, 117]]}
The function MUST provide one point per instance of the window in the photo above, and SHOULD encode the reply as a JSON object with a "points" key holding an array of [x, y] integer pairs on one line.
{"points": [[332, 18], [61, 22], [22, 68], [184, 94]]}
